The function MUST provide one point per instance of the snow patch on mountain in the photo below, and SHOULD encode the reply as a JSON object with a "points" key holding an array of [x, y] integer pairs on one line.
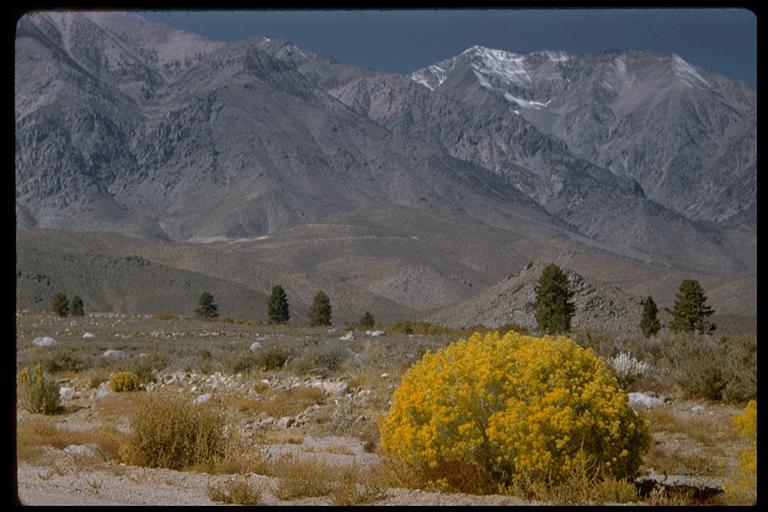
{"points": [[431, 77], [687, 73], [526, 103]]}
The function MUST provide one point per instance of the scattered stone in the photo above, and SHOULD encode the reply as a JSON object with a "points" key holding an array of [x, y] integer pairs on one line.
{"points": [[114, 355], [644, 399], [66, 393], [384, 375], [44, 341], [697, 408], [375, 333], [331, 388], [285, 422], [91, 451], [255, 346], [350, 336], [88, 335], [202, 398]]}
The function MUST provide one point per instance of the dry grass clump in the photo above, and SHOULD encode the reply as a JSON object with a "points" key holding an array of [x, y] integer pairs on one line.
{"points": [[355, 486], [124, 381], [164, 316], [171, 432], [303, 478], [235, 492], [347, 485], [34, 433], [583, 485], [37, 392]]}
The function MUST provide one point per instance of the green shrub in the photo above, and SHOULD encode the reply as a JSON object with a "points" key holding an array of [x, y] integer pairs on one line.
{"points": [[171, 432], [124, 381], [37, 393], [494, 408]]}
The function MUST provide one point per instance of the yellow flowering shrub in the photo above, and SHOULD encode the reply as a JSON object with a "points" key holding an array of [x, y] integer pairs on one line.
{"points": [[743, 488], [124, 381], [514, 406]]}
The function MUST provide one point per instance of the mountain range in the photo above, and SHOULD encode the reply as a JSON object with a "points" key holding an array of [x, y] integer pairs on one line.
{"points": [[135, 128]]}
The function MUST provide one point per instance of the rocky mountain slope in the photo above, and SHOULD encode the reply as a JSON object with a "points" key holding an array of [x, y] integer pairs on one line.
{"points": [[138, 128], [234, 167]]}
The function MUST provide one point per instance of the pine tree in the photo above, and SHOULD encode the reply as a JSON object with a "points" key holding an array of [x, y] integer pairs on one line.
{"points": [[76, 307], [554, 308], [690, 312], [206, 308], [60, 304], [320, 312], [650, 324], [277, 306], [367, 321]]}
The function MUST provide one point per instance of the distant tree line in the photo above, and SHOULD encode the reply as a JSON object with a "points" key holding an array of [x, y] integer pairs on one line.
{"points": [[65, 307], [554, 308]]}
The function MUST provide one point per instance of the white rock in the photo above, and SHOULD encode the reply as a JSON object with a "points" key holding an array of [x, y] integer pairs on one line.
{"points": [[384, 375], [348, 337], [644, 399], [202, 398], [114, 355], [332, 388], [285, 422], [255, 346], [88, 335], [375, 333], [697, 408], [103, 390], [44, 341], [86, 450], [66, 393]]}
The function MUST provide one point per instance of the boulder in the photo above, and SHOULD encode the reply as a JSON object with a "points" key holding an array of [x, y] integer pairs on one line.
{"points": [[350, 336], [103, 391], [45, 341], [88, 335], [66, 393], [255, 346], [285, 422], [375, 333], [114, 355], [202, 398], [644, 400]]}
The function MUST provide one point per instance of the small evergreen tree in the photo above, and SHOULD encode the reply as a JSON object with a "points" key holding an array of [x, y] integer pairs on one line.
{"points": [[206, 308], [367, 321], [320, 312], [60, 304], [690, 312], [76, 306], [554, 308], [277, 306], [650, 324]]}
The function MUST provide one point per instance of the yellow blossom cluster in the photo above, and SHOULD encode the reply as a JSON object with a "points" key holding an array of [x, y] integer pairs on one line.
{"points": [[743, 489], [514, 405]]}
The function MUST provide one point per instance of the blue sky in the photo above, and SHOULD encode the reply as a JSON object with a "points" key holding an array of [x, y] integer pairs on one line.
{"points": [[723, 40]]}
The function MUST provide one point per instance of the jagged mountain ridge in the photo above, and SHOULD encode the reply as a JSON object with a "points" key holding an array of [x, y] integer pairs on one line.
{"points": [[201, 148], [685, 134]]}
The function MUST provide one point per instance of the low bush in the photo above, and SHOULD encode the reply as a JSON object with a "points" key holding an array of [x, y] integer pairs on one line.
{"points": [[235, 492], [496, 408], [124, 381], [171, 432], [724, 369], [271, 358], [37, 392], [322, 360], [303, 478]]}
